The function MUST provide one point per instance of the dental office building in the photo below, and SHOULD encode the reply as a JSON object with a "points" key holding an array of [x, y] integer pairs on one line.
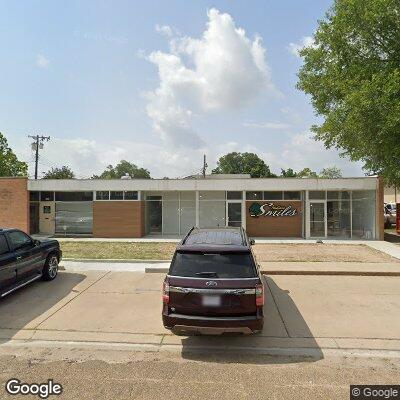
{"points": [[345, 208]]}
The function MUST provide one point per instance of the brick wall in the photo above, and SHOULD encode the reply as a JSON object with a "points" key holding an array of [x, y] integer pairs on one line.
{"points": [[122, 219], [14, 203]]}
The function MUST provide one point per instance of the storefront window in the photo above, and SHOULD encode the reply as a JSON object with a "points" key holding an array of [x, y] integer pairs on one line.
{"points": [[74, 218], [294, 195], [338, 218], [47, 196], [116, 195], [103, 195], [74, 196], [363, 214], [254, 195], [317, 195], [212, 209], [234, 195], [273, 195], [129, 195]]}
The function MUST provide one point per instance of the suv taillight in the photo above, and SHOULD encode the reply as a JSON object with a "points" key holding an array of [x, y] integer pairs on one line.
{"points": [[259, 295], [165, 295]]}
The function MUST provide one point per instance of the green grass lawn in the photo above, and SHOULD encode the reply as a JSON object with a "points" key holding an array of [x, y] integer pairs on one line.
{"points": [[118, 250]]}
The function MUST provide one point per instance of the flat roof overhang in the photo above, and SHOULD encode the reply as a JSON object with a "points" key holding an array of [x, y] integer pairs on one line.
{"points": [[253, 184]]}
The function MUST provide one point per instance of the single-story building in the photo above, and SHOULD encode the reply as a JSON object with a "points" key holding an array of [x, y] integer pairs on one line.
{"points": [[345, 208]]}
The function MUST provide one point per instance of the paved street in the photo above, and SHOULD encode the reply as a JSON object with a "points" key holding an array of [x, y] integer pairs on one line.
{"points": [[321, 333]]}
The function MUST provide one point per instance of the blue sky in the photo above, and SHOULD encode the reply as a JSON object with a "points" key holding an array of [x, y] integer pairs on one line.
{"points": [[159, 83]]}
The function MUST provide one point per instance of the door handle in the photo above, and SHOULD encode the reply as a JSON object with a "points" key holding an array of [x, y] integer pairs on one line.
{"points": [[19, 257]]}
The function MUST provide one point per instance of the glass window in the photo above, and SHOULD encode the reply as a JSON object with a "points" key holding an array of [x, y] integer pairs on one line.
{"points": [[223, 265], [103, 195], [33, 196], [47, 196], [273, 195], [254, 195], [295, 195], [338, 218], [3, 245], [130, 195], [46, 209], [117, 195], [336, 195], [74, 217], [211, 195], [19, 240], [157, 198], [317, 195], [363, 214], [234, 195], [74, 196], [212, 214]]}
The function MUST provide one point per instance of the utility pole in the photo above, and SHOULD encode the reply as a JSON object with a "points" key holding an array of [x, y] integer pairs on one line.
{"points": [[38, 143], [205, 165]]}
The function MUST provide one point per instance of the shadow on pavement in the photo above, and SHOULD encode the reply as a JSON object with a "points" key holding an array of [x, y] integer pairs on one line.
{"points": [[20, 309], [286, 337]]}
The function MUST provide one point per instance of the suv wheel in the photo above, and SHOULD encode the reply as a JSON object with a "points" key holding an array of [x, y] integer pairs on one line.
{"points": [[50, 269]]}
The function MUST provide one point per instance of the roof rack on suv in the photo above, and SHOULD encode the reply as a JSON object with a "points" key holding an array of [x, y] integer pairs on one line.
{"points": [[233, 236]]}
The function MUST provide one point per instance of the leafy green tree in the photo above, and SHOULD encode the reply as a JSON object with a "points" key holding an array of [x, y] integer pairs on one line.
{"points": [[307, 173], [9, 163], [243, 163], [352, 73], [59, 173], [288, 173], [123, 168], [331, 173]]}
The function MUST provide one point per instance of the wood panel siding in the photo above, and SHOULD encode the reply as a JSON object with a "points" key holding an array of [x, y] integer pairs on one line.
{"points": [[122, 219], [275, 226]]}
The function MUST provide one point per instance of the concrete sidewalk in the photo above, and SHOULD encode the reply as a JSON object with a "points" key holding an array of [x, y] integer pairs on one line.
{"points": [[305, 315]]}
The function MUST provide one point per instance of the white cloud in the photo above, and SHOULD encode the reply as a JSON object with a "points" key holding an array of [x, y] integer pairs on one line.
{"points": [[222, 70], [267, 125], [301, 151], [305, 41], [164, 30], [42, 61]]}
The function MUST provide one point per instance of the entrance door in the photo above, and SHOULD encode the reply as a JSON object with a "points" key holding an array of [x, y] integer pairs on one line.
{"points": [[234, 213], [317, 219], [46, 217], [154, 207]]}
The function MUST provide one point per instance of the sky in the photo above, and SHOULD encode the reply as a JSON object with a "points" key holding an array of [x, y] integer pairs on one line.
{"points": [[159, 83]]}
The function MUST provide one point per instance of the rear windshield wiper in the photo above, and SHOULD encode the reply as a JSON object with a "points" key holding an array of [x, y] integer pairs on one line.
{"points": [[207, 274]]}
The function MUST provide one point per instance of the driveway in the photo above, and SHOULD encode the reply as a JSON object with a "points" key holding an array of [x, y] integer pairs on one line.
{"points": [[315, 312]]}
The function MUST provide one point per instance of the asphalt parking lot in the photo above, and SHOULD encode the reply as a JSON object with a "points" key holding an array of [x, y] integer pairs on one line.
{"points": [[318, 312]]}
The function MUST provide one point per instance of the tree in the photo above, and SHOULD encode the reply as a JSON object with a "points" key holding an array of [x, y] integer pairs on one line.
{"points": [[307, 173], [352, 73], [243, 163], [121, 169], [9, 163], [288, 173], [59, 173], [331, 173]]}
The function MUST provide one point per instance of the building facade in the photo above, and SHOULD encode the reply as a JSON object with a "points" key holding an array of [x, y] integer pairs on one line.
{"points": [[348, 208]]}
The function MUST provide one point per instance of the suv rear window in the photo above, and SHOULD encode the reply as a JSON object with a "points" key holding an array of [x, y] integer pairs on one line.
{"points": [[213, 265]]}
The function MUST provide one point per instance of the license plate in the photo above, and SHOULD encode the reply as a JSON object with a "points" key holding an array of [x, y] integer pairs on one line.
{"points": [[211, 301]]}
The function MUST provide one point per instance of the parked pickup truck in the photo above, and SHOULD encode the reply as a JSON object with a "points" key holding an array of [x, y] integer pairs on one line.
{"points": [[24, 260]]}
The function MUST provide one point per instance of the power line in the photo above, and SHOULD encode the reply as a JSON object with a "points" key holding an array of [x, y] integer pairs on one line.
{"points": [[36, 145]]}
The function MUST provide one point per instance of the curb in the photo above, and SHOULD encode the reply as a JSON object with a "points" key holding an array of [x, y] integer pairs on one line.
{"points": [[116, 260], [153, 270]]}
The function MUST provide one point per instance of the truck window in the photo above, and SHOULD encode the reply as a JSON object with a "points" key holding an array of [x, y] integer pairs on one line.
{"points": [[19, 239], [218, 265], [3, 245]]}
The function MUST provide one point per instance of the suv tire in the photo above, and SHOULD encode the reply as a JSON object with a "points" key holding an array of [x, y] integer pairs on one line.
{"points": [[50, 268]]}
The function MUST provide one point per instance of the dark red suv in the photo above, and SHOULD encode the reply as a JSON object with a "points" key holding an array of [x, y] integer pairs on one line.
{"points": [[213, 285]]}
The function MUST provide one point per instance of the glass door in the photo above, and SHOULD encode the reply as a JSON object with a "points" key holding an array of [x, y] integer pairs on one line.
{"points": [[234, 213], [317, 219]]}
